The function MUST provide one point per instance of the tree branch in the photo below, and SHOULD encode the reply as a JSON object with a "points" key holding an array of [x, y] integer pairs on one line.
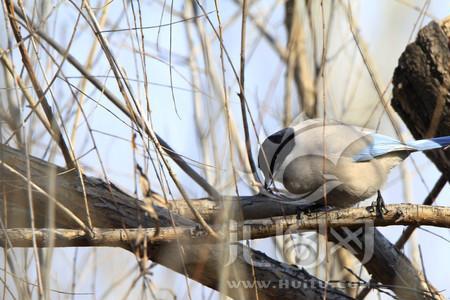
{"points": [[113, 209], [68, 157], [399, 214], [122, 107]]}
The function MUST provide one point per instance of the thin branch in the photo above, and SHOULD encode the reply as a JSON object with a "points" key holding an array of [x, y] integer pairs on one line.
{"points": [[68, 157], [248, 144], [111, 96], [138, 118], [6, 62], [273, 42], [303, 78]]}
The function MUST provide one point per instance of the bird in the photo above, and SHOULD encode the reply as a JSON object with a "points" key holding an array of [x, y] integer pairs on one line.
{"points": [[330, 163]]}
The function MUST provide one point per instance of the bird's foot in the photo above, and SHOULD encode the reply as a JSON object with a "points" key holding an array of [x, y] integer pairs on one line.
{"points": [[299, 213], [378, 206], [266, 188], [303, 211]]}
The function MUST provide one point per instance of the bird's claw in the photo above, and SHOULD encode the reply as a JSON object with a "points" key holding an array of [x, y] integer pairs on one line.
{"points": [[378, 206], [302, 211]]}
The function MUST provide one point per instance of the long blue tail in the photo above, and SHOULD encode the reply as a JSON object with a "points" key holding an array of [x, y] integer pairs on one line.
{"points": [[382, 144], [428, 144]]}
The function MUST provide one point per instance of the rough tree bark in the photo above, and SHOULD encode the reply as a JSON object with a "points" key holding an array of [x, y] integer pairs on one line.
{"points": [[421, 93]]}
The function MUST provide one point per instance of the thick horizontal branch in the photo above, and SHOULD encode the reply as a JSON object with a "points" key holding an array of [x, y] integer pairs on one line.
{"points": [[401, 214]]}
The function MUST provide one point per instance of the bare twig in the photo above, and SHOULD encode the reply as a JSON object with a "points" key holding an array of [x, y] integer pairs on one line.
{"points": [[100, 86], [68, 157], [297, 48], [248, 144], [137, 116]]}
